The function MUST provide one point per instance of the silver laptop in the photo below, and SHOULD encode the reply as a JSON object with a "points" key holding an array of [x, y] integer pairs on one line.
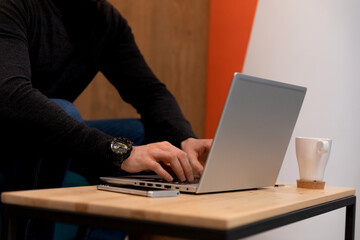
{"points": [[250, 143]]}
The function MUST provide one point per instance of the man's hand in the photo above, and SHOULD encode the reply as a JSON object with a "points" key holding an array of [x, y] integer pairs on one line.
{"points": [[197, 151], [157, 157]]}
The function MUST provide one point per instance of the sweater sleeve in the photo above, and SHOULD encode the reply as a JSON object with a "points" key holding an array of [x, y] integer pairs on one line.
{"points": [[125, 67], [26, 114]]}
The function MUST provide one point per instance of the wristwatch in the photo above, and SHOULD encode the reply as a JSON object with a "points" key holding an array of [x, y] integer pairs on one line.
{"points": [[121, 148]]}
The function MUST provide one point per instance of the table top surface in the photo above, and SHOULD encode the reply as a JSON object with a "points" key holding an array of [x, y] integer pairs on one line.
{"points": [[218, 210]]}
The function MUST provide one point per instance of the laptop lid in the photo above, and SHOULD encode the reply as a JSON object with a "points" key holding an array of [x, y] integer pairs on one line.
{"points": [[251, 139], [253, 134]]}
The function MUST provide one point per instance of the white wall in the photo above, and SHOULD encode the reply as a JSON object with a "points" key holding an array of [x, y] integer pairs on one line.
{"points": [[316, 44]]}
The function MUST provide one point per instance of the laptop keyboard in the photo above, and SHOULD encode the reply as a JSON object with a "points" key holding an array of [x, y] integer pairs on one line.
{"points": [[175, 181], [196, 180]]}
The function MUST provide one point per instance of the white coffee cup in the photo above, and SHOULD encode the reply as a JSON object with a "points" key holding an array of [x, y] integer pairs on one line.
{"points": [[312, 156]]}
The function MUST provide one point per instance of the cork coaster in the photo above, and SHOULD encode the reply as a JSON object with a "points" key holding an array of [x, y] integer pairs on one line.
{"points": [[310, 184]]}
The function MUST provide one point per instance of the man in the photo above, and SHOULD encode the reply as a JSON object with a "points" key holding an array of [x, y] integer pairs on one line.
{"points": [[50, 50]]}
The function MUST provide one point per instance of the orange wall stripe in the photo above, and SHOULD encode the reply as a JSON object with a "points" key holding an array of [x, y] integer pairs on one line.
{"points": [[229, 33]]}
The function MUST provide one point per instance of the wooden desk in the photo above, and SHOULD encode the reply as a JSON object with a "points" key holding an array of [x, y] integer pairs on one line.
{"points": [[229, 215]]}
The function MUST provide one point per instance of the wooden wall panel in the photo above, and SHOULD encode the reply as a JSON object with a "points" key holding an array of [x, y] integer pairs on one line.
{"points": [[172, 35]]}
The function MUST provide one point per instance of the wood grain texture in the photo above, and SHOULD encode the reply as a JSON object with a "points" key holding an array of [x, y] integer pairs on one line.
{"points": [[172, 36], [218, 211]]}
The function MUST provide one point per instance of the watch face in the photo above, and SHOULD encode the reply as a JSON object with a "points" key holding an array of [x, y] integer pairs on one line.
{"points": [[120, 148]]}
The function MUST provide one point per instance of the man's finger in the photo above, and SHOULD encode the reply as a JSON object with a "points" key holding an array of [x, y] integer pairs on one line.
{"points": [[186, 166], [159, 170], [196, 165], [170, 156]]}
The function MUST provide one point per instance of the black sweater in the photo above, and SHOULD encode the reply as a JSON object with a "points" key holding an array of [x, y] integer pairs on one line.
{"points": [[53, 49]]}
